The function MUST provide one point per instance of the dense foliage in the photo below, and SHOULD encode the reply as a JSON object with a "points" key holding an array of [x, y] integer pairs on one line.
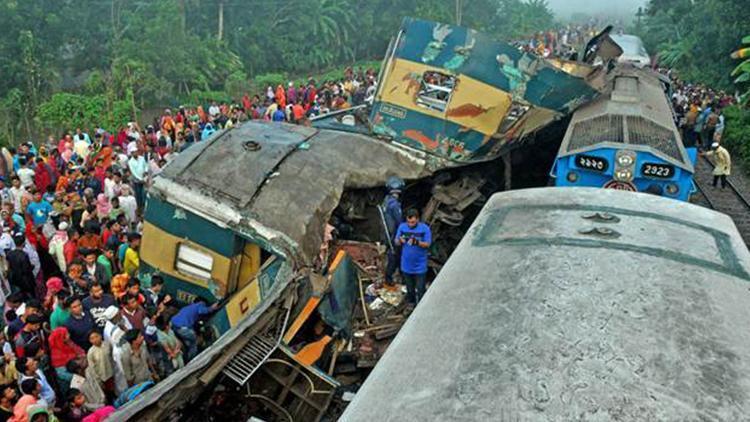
{"points": [[696, 37], [142, 53]]}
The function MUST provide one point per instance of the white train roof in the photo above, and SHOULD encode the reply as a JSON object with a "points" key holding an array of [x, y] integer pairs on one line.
{"points": [[576, 304]]}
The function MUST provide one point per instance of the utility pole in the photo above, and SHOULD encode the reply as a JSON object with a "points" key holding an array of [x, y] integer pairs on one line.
{"points": [[459, 11], [220, 34], [639, 15]]}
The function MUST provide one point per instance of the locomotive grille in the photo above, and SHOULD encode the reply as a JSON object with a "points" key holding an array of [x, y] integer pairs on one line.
{"points": [[645, 132], [606, 128]]}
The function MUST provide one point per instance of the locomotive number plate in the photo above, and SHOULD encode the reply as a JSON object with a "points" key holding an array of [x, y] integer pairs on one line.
{"points": [[658, 171], [590, 162]]}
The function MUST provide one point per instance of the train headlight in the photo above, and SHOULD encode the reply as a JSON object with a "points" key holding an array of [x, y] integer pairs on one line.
{"points": [[623, 175], [572, 177], [625, 159], [672, 189]]}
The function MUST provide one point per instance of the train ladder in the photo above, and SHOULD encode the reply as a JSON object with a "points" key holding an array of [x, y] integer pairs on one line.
{"points": [[254, 354]]}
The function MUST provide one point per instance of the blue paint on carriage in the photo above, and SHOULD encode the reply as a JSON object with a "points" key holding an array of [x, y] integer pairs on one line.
{"points": [[681, 178], [471, 53], [185, 224]]}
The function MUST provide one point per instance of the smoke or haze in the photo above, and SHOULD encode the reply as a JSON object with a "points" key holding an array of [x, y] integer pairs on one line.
{"points": [[564, 9]]}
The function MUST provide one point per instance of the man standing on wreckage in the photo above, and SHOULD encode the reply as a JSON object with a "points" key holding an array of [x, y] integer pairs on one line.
{"points": [[391, 216]]}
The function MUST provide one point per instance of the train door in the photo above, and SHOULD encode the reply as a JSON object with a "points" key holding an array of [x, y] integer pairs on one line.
{"points": [[249, 264]]}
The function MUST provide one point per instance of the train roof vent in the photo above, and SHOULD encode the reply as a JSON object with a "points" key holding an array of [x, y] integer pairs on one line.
{"points": [[626, 89], [645, 132], [606, 128]]}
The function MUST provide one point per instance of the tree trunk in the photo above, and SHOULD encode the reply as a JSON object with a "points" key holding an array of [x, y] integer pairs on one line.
{"points": [[183, 16], [220, 34]]}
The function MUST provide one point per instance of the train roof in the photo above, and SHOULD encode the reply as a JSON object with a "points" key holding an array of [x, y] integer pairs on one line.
{"points": [[636, 112], [632, 45], [576, 303], [279, 181]]}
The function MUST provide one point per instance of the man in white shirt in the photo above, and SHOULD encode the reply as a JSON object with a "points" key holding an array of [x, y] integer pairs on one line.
{"points": [[26, 174], [17, 192], [139, 170]]}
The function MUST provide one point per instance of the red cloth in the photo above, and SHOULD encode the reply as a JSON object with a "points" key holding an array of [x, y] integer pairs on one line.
{"points": [[70, 250], [42, 178], [100, 414], [62, 349]]}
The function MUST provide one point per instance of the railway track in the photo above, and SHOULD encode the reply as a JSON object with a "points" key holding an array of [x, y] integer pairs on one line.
{"points": [[730, 200]]}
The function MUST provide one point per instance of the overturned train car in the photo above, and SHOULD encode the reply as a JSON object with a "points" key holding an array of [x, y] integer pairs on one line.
{"points": [[576, 304]]}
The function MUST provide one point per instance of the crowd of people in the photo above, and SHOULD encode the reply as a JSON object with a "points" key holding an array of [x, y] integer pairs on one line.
{"points": [[700, 117], [293, 103], [562, 41], [82, 333]]}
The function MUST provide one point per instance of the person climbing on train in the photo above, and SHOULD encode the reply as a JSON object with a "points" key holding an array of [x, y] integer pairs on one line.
{"points": [[415, 239], [722, 163], [392, 216]]}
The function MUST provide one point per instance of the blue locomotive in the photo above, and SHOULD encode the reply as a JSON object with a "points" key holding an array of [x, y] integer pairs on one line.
{"points": [[627, 140]]}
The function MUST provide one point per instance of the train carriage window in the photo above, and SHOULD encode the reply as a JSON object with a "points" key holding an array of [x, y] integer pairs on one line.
{"points": [[194, 262], [435, 91], [516, 112]]}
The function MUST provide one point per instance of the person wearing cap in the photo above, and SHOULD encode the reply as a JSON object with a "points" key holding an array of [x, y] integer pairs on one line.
{"points": [[722, 164], [135, 358], [57, 245], [128, 203], [132, 261], [20, 269], [392, 217], [114, 331]]}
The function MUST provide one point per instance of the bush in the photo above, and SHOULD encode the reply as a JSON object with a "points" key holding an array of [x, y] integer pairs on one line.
{"points": [[69, 111], [737, 133], [237, 84], [261, 82], [198, 97]]}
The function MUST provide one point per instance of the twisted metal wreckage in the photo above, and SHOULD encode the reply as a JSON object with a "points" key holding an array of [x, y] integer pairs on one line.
{"points": [[451, 105]]}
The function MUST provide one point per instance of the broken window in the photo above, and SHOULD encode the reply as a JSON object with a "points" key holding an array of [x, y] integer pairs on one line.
{"points": [[435, 90], [194, 262], [516, 112]]}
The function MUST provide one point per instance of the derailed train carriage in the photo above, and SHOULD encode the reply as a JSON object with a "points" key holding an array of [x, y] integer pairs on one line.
{"points": [[627, 139], [242, 218], [576, 304]]}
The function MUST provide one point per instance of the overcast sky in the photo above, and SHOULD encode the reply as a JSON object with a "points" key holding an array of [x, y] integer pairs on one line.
{"points": [[564, 8]]}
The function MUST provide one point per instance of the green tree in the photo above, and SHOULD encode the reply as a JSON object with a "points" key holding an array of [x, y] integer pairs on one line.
{"points": [[741, 73]]}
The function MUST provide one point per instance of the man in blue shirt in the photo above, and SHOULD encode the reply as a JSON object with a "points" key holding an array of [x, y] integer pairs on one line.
{"points": [[184, 321], [278, 115], [39, 210], [415, 239]]}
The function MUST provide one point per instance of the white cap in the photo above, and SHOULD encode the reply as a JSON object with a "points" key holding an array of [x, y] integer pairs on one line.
{"points": [[110, 312], [62, 226], [715, 145]]}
